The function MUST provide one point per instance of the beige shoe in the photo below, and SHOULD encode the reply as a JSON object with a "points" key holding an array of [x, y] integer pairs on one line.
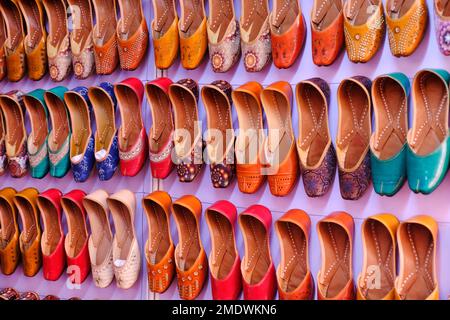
{"points": [[101, 239], [126, 254]]}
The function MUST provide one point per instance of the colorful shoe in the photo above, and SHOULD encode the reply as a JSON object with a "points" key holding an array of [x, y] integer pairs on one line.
{"points": [[327, 31], [133, 142], [288, 32], [104, 104], [165, 33], [104, 36], [315, 148], [364, 29], [406, 24], [11, 104], [3, 157], [428, 139], [161, 133], [59, 137], [9, 233], [188, 134], [58, 44], [442, 25], [82, 140], [353, 137], [37, 140], [2, 48], [193, 34], [388, 142], [220, 138], [249, 142]]}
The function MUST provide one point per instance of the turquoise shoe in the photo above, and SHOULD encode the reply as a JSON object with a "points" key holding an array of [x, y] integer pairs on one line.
{"points": [[428, 139], [388, 142], [59, 137]]}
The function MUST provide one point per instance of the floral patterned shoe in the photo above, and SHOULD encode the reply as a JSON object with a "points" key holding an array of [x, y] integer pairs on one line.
{"points": [[11, 104], [104, 103], [3, 160], [188, 134], [223, 35], [442, 25], [37, 140], [59, 137], [255, 35], [165, 33], [220, 138], [82, 140]]}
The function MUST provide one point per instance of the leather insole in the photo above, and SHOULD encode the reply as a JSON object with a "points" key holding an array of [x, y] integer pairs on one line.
{"points": [[359, 11], [398, 8], [29, 226], [38, 119], [57, 21], [32, 17], [444, 7], [284, 14], [130, 17], [104, 118], [6, 222], [130, 112], [221, 14], [164, 15], [162, 118], [254, 14], [124, 227], [79, 117], [293, 266], [14, 125], [52, 231], [158, 231], [82, 29], [105, 17], [325, 12], [257, 256], [188, 248], [192, 14], [59, 120], [76, 234], [13, 23]]}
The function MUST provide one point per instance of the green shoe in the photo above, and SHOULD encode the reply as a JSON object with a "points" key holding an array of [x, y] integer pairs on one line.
{"points": [[388, 142], [428, 138]]}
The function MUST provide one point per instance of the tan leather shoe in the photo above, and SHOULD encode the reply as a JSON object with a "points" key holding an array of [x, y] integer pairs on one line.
{"points": [[101, 238], [9, 232], [2, 48], [126, 254], [165, 33]]}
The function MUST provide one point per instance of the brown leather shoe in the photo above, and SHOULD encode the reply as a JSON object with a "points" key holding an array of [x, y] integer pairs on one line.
{"points": [[14, 48], [2, 48], [104, 36], [9, 232], [35, 41]]}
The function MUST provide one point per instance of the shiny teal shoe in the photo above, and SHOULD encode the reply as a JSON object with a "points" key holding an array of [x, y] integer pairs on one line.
{"points": [[59, 137], [388, 142], [428, 138]]}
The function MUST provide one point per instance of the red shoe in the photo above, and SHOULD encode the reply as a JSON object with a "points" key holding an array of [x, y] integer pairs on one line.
{"points": [[52, 241], [161, 133], [224, 261], [258, 271], [133, 143], [76, 244]]}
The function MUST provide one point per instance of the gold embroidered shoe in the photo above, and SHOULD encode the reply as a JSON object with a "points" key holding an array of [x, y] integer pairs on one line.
{"points": [[165, 33]]}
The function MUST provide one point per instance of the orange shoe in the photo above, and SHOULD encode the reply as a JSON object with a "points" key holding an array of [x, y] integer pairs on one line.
{"points": [[165, 33], [9, 233], [2, 48]]}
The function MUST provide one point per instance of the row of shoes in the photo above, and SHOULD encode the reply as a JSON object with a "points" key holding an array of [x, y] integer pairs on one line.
{"points": [[112, 256], [13, 294], [256, 276], [26, 47]]}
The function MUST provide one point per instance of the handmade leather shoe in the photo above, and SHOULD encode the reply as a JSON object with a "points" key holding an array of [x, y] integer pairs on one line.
{"points": [[37, 140], [59, 137], [9, 294], [327, 31], [188, 134], [82, 140], [161, 133], [224, 261], [442, 25], [353, 137], [30, 237], [159, 248], [104, 36], [126, 254], [376, 280], [251, 137], [106, 149], [133, 143], [193, 33], [335, 278], [224, 39], [101, 238], [220, 137], [255, 35], [417, 278], [364, 28], [288, 32], [9, 232], [52, 241], [132, 34], [35, 42], [258, 271], [295, 281], [76, 242], [428, 139], [281, 158], [315, 149], [165, 33], [14, 44], [190, 257], [11, 105], [388, 142], [406, 24], [2, 48], [81, 39], [58, 44]]}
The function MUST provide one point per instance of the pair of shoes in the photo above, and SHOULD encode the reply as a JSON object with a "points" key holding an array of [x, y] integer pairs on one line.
{"points": [[117, 256]]}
